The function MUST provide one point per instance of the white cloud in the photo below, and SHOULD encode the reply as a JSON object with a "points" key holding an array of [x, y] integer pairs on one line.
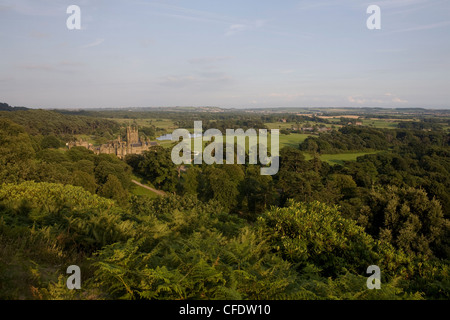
{"points": [[288, 71], [394, 4], [203, 81], [209, 60], [178, 12], [424, 27], [43, 67], [394, 98], [356, 100], [286, 96], [240, 27], [33, 8], [235, 28], [385, 99], [398, 100], [93, 44], [62, 66]]}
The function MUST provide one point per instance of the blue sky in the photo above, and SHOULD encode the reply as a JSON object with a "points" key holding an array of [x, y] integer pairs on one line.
{"points": [[247, 53]]}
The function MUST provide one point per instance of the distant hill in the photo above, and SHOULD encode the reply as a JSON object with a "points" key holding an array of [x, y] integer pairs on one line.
{"points": [[7, 107]]}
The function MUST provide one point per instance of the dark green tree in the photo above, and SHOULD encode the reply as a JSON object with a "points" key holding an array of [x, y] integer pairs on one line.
{"points": [[157, 166], [408, 219], [50, 142], [112, 189], [257, 192], [85, 180]]}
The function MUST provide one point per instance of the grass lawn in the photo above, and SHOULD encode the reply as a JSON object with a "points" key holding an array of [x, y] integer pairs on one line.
{"points": [[140, 191], [292, 140], [339, 158], [141, 180], [380, 123], [85, 137], [166, 144]]}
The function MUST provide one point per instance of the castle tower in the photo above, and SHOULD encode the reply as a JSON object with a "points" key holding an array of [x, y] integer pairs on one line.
{"points": [[132, 135]]}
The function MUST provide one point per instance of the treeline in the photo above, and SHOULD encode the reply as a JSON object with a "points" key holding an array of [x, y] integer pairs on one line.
{"points": [[185, 114], [425, 124], [7, 107], [289, 117], [232, 120], [227, 119], [348, 138], [426, 168], [45, 122], [223, 125], [356, 138]]}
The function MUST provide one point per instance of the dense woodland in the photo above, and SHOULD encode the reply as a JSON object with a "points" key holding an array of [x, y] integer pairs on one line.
{"points": [[223, 231]]}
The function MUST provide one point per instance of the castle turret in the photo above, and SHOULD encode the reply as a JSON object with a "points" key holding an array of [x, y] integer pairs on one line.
{"points": [[132, 135]]}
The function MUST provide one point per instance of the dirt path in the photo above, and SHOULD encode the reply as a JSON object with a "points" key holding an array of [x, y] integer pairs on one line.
{"points": [[158, 192]]}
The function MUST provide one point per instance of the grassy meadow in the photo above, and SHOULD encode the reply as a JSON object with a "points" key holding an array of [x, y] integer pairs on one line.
{"points": [[165, 125]]}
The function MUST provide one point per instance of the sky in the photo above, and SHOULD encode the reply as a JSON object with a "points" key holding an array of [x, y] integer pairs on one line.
{"points": [[230, 54]]}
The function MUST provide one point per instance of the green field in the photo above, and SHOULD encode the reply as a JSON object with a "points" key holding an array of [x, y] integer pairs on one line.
{"points": [[380, 123], [339, 158], [334, 120], [292, 140], [279, 125], [166, 124], [139, 191], [166, 144], [85, 137]]}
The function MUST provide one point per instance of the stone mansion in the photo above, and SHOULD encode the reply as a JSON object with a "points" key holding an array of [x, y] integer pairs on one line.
{"points": [[120, 148]]}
